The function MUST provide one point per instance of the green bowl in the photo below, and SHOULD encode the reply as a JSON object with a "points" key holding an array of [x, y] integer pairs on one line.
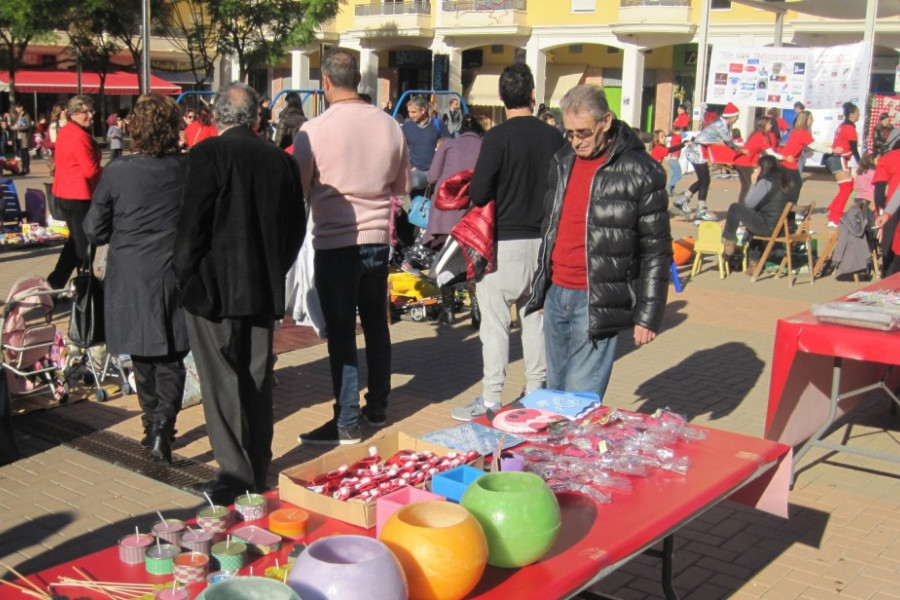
{"points": [[519, 514]]}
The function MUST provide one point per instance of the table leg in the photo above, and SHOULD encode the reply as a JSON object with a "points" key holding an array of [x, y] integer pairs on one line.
{"points": [[666, 555], [832, 411]]}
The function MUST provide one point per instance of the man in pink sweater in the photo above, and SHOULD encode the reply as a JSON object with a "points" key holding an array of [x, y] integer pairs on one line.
{"points": [[353, 158]]}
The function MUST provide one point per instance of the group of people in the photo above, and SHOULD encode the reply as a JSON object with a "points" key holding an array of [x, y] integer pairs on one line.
{"points": [[199, 244]]}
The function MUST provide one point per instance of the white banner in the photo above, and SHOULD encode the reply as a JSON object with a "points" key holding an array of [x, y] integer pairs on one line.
{"points": [[779, 77]]}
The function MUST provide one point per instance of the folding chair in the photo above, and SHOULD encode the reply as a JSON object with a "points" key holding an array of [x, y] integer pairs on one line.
{"points": [[12, 211], [782, 235]]}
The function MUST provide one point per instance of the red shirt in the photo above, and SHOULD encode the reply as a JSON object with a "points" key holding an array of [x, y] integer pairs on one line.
{"points": [[794, 146], [782, 124], [682, 121], [888, 170], [196, 132], [846, 133], [755, 145], [675, 140], [659, 152], [569, 256]]}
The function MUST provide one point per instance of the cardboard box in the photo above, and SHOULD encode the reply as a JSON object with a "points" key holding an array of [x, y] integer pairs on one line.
{"points": [[292, 481]]}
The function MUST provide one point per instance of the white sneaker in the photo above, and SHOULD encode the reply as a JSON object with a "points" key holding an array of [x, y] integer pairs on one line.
{"points": [[683, 203], [832, 225], [705, 215]]}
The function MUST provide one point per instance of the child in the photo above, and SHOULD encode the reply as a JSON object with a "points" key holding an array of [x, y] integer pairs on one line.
{"points": [[667, 152], [737, 136], [862, 182]]}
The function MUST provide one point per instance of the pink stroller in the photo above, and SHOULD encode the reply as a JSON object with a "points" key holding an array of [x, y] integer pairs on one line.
{"points": [[30, 343]]}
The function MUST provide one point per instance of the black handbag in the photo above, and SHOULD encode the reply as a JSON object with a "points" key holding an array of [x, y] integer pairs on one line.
{"points": [[86, 327], [53, 204]]}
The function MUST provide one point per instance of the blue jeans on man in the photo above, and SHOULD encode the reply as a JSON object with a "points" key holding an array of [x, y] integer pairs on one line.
{"points": [[575, 362], [347, 279]]}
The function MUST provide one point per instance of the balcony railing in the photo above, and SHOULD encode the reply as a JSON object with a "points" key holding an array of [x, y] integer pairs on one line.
{"points": [[420, 7], [482, 5], [638, 3]]}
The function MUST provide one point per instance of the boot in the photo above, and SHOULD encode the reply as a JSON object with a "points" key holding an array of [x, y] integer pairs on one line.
{"points": [[448, 295], [476, 313], [160, 443]]}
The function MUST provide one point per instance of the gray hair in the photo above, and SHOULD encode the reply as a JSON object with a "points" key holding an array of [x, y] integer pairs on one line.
{"points": [[586, 98], [342, 68], [77, 104], [236, 104], [419, 102]]}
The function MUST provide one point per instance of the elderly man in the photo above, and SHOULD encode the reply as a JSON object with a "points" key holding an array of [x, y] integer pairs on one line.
{"points": [[241, 225], [349, 186], [511, 171], [607, 247]]}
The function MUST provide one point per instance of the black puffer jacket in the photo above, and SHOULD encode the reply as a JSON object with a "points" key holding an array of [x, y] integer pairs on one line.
{"points": [[629, 241]]}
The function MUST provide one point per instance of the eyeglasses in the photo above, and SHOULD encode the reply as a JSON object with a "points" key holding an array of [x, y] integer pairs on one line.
{"points": [[581, 134], [83, 111]]}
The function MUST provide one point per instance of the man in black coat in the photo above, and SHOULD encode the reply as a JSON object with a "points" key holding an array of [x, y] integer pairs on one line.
{"points": [[240, 229], [607, 245]]}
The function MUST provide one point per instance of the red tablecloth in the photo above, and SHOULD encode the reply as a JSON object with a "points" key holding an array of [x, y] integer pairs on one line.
{"points": [[802, 364], [594, 538]]}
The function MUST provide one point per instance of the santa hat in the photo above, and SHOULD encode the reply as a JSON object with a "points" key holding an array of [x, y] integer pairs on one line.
{"points": [[730, 111]]}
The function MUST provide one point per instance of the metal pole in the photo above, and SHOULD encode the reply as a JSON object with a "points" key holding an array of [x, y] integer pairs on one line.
{"points": [[145, 46], [700, 84], [869, 38]]}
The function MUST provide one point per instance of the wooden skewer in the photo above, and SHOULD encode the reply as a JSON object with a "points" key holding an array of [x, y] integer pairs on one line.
{"points": [[93, 583], [23, 589], [42, 593]]}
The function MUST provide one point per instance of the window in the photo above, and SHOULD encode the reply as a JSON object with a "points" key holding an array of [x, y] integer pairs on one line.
{"points": [[583, 6], [612, 50], [576, 49], [720, 5], [497, 49]]}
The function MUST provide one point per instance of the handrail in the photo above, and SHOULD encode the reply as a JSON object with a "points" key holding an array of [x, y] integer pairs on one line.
{"points": [[416, 7], [639, 3], [483, 5], [429, 93]]}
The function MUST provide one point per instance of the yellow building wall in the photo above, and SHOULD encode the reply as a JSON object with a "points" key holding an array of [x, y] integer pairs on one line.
{"points": [[558, 12]]}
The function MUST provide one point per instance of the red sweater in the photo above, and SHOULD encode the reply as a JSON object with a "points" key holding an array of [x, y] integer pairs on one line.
{"points": [[77, 164], [794, 146], [757, 143], [569, 256]]}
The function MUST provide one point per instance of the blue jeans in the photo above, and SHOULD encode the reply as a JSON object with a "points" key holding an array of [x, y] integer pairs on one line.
{"points": [[347, 279], [575, 363], [675, 173]]}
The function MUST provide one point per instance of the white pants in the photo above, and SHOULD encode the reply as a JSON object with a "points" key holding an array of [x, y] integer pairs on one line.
{"points": [[497, 292]]}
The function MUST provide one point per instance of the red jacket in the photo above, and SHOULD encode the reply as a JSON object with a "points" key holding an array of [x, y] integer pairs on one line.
{"points": [[475, 231], [78, 167]]}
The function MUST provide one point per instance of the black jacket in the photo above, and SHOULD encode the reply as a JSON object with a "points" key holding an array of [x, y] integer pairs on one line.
{"points": [[241, 225], [135, 210], [629, 241]]}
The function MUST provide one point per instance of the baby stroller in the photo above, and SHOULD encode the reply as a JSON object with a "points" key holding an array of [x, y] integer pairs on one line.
{"points": [[30, 343]]}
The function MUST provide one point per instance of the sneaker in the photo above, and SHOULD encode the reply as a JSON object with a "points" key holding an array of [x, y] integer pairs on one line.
{"points": [[473, 410], [330, 434], [832, 225], [683, 204], [373, 418], [705, 215]]}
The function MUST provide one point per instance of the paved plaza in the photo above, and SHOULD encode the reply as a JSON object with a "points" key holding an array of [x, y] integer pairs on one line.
{"points": [[711, 363]]}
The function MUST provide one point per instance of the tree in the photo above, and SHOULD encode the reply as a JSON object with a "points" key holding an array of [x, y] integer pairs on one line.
{"points": [[91, 44], [21, 22], [259, 32], [187, 24]]}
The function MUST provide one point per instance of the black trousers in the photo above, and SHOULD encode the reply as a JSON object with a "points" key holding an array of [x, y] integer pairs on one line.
{"points": [[744, 174], [740, 213], [75, 249], [160, 386], [25, 157], [701, 186], [233, 358]]}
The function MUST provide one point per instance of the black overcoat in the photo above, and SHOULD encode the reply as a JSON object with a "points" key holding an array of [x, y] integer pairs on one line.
{"points": [[135, 210]]}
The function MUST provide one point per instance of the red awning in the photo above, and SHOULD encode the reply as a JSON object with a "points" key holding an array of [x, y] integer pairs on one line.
{"points": [[118, 83]]}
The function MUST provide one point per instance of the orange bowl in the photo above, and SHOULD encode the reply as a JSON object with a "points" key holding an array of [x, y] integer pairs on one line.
{"points": [[441, 548], [683, 251]]}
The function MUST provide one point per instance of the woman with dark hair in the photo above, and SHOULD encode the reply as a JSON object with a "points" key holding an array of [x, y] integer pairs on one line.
{"points": [[761, 141], [135, 210], [74, 179], [792, 150], [762, 206], [452, 156], [881, 132], [200, 128], [843, 158]]}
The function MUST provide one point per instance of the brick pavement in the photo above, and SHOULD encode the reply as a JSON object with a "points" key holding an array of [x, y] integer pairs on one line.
{"points": [[711, 362]]}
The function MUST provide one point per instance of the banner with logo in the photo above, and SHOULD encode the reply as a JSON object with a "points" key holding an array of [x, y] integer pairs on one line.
{"points": [[821, 78]]}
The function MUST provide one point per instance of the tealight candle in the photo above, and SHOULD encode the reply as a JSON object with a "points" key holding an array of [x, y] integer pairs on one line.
{"points": [[132, 548], [217, 576], [169, 530], [172, 593], [191, 567], [289, 522], [158, 560], [251, 506], [214, 519], [198, 540], [230, 555]]}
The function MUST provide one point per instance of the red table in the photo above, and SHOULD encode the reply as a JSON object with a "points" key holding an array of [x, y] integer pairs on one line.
{"points": [[594, 539], [820, 372]]}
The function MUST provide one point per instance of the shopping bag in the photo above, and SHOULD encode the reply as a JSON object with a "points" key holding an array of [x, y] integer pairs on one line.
{"points": [[86, 327], [418, 211]]}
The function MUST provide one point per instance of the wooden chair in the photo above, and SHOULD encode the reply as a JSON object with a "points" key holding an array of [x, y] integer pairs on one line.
{"points": [[825, 257], [782, 235]]}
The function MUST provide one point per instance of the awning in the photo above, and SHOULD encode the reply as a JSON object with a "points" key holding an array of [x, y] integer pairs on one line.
{"points": [[485, 88], [561, 79], [118, 83]]}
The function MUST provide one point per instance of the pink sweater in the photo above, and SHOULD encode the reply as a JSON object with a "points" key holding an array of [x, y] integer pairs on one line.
{"points": [[865, 189], [352, 158]]}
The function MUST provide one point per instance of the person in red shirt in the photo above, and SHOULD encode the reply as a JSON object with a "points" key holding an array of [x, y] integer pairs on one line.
{"points": [[799, 140], [844, 156], [781, 125], [662, 151], [760, 141], [200, 128], [682, 119], [676, 143], [886, 182]]}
